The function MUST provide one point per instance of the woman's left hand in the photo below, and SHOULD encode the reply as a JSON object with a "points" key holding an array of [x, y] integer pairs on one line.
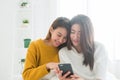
{"points": [[63, 77], [76, 77]]}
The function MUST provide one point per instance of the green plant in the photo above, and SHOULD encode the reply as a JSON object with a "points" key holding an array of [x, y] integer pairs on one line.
{"points": [[24, 4], [22, 60], [25, 21]]}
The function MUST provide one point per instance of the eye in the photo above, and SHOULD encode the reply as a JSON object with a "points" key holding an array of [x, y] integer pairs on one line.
{"points": [[72, 32], [58, 35]]}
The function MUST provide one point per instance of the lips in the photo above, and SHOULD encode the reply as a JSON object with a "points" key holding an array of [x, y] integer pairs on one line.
{"points": [[57, 43], [75, 42]]}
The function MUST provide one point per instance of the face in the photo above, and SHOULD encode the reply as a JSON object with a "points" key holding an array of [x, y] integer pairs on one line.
{"points": [[58, 36], [75, 35]]}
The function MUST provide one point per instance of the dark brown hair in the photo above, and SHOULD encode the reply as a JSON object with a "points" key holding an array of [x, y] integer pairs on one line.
{"points": [[86, 38], [60, 22]]}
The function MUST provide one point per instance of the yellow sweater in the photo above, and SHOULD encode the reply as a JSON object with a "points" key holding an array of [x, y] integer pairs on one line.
{"points": [[38, 55]]}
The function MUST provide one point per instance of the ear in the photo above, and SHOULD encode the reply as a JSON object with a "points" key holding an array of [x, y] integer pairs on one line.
{"points": [[51, 29]]}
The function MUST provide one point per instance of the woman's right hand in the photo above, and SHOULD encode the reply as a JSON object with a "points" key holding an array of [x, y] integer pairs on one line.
{"points": [[51, 65]]}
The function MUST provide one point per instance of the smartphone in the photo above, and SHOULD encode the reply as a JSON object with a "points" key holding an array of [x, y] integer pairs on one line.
{"points": [[65, 68]]}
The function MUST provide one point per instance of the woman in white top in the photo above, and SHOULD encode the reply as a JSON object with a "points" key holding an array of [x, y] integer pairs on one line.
{"points": [[87, 57]]}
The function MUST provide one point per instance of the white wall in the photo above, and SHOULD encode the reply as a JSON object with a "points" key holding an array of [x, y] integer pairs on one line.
{"points": [[44, 12], [7, 24]]}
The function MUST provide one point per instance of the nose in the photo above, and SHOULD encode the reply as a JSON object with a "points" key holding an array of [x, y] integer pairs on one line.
{"points": [[61, 40], [76, 35]]}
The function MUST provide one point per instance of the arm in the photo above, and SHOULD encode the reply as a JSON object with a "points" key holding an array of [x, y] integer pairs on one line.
{"points": [[32, 70], [100, 65]]}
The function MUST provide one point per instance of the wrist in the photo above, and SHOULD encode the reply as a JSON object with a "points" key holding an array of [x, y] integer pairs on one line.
{"points": [[48, 69]]}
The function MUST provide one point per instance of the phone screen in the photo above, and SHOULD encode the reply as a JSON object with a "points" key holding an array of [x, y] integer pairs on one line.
{"points": [[65, 68]]}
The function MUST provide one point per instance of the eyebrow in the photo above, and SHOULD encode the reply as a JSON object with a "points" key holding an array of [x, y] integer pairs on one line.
{"points": [[73, 30], [59, 33]]}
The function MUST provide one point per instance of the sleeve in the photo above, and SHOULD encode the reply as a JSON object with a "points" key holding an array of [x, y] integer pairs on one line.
{"points": [[31, 69], [100, 65]]}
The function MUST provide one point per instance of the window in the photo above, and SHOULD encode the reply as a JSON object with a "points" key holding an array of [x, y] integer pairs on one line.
{"points": [[105, 18], [69, 8]]}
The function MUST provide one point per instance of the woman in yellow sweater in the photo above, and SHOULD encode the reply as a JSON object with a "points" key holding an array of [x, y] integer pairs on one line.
{"points": [[42, 54]]}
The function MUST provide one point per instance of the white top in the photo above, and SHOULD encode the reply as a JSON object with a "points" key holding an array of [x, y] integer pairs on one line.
{"points": [[76, 60]]}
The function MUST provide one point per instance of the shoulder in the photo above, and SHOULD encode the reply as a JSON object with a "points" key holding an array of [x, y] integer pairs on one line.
{"points": [[64, 49], [36, 42], [99, 46], [100, 50]]}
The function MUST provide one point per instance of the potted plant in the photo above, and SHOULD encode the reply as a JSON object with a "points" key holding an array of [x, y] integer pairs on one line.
{"points": [[24, 4], [22, 61], [25, 22]]}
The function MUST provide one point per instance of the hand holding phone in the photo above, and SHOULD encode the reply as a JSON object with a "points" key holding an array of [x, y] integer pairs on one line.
{"points": [[65, 68]]}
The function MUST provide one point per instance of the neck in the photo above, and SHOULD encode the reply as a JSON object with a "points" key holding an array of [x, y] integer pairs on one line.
{"points": [[78, 49]]}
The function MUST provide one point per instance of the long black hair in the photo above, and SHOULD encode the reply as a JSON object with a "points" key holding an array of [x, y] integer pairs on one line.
{"points": [[86, 38]]}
